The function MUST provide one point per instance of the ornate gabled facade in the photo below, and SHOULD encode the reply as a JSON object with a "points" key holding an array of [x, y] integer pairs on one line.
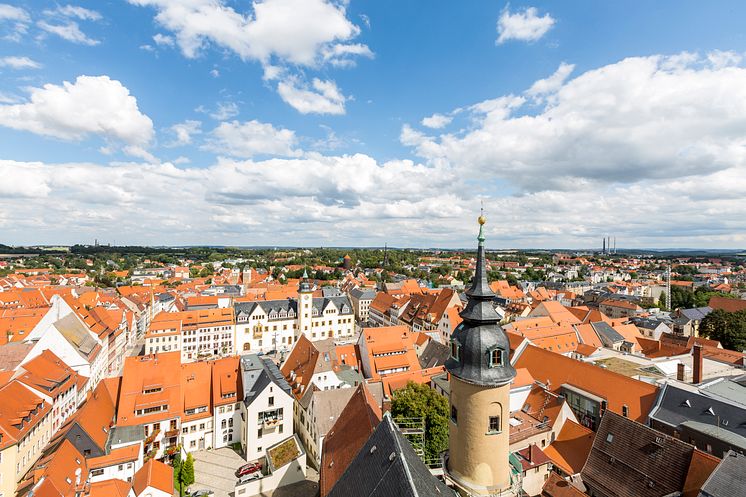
{"points": [[480, 377], [266, 325]]}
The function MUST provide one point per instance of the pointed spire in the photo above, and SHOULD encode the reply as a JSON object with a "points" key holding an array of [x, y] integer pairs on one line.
{"points": [[480, 286], [305, 273]]}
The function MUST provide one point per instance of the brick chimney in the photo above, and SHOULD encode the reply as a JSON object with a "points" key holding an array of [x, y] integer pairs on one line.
{"points": [[697, 369], [681, 372]]}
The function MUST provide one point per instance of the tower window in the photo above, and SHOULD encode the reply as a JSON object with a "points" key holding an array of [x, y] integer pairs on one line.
{"points": [[494, 424], [496, 358], [454, 414], [455, 350]]}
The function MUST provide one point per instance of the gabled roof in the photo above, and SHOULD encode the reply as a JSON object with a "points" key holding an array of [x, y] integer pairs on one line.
{"points": [[154, 474], [20, 411], [387, 466], [350, 431], [728, 478], [629, 458], [556, 486], [677, 406], [570, 449], [257, 373], [617, 389]]}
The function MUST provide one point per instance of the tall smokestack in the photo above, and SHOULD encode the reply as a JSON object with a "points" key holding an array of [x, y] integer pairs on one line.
{"points": [[603, 251], [697, 369]]}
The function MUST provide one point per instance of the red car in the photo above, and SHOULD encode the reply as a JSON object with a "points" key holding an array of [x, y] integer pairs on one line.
{"points": [[246, 469]]}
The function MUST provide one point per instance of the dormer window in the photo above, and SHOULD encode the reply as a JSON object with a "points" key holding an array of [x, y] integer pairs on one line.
{"points": [[455, 350], [496, 357]]}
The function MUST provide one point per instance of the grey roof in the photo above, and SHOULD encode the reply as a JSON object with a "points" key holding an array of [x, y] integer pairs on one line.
{"points": [[728, 389], [728, 479], [435, 354], [363, 293], [607, 334], [76, 333], [331, 291], [479, 334], [327, 406], [696, 313], [257, 372], [387, 466], [124, 435], [649, 323], [166, 297], [342, 303], [678, 407]]}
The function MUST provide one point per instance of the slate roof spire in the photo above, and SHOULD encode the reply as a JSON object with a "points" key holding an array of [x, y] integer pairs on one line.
{"points": [[475, 340]]}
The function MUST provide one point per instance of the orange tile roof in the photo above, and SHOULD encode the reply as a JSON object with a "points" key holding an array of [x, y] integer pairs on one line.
{"points": [[701, 467], [556, 486], [395, 381], [617, 389], [588, 335], [724, 303], [350, 431], [196, 378], [226, 381], [59, 470], [48, 373], [17, 323], [155, 371], [570, 449], [154, 474], [20, 411], [120, 455], [109, 488]]}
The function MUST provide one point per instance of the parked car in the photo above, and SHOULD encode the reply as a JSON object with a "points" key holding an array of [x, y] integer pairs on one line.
{"points": [[250, 476], [203, 493], [246, 469]]}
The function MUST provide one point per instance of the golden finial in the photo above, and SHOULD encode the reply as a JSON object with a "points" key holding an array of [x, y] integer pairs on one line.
{"points": [[481, 219]]}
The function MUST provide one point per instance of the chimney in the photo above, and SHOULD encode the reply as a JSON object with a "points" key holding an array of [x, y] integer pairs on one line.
{"points": [[681, 372], [697, 354]]}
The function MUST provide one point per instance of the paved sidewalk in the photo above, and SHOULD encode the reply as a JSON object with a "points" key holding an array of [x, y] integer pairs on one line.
{"points": [[215, 470]]}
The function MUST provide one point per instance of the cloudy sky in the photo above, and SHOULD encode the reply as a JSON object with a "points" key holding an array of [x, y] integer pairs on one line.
{"points": [[332, 122]]}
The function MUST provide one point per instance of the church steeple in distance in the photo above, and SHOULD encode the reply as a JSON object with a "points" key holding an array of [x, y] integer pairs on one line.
{"points": [[480, 376]]}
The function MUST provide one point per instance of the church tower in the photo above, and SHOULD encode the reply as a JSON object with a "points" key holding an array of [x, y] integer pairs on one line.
{"points": [[305, 307], [480, 377]]}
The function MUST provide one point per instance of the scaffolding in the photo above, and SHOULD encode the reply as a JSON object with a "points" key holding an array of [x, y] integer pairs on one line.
{"points": [[414, 431]]}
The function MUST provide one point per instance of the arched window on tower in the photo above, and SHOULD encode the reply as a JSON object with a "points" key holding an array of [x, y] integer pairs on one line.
{"points": [[496, 356], [494, 418]]}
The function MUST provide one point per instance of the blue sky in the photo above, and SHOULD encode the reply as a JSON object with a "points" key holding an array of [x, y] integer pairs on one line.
{"points": [[314, 122]]}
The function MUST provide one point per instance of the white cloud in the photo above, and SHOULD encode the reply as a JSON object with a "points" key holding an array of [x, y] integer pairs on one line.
{"points": [[639, 119], [74, 11], [252, 138], [15, 62], [295, 31], [322, 97], [61, 22], [183, 132], [92, 105], [523, 25], [437, 121], [69, 31], [224, 110], [163, 40], [279, 34], [14, 20], [552, 83]]}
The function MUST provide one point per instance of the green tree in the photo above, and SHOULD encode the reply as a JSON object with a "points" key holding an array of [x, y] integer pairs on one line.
{"points": [[420, 401], [729, 328], [187, 471], [178, 465]]}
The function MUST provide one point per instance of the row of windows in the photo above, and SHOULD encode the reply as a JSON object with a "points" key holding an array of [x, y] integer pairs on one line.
{"points": [[496, 355]]}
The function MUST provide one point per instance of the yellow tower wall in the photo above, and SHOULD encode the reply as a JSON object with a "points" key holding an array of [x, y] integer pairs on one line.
{"points": [[478, 460]]}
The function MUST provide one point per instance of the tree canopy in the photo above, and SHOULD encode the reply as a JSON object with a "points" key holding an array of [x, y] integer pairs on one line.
{"points": [[420, 401], [729, 328]]}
